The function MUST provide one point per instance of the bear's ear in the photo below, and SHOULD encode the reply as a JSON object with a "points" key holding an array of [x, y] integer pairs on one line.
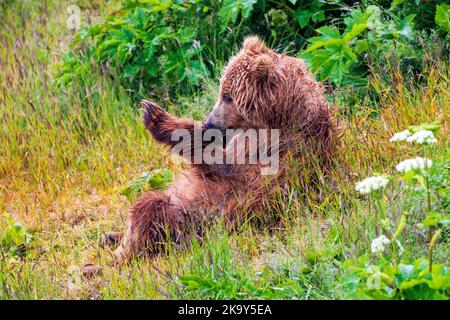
{"points": [[262, 68], [253, 43]]}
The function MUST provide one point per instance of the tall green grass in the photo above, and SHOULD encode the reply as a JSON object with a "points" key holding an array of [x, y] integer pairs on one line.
{"points": [[65, 156]]}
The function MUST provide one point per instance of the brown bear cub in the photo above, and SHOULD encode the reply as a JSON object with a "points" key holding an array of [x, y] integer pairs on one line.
{"points": [[259, 89]]}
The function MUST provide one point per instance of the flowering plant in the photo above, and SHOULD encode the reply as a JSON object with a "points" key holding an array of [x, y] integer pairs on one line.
{"points": [[383, 273], [372, 184]]}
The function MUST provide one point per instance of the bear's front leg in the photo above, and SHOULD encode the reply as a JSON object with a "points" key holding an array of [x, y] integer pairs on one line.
{"points": [[162, 125]]}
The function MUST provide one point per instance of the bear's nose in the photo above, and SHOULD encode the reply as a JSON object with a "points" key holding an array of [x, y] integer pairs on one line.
{"points": [[209, 124]]}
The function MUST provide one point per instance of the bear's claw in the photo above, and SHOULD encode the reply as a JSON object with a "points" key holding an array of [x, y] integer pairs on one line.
{"points": [[148, 110], [147, 104], [152, 113]]}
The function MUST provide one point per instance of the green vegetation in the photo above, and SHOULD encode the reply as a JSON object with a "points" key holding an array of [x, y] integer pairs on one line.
{"points": [[158, 179], [74, 153], [167, 48]]}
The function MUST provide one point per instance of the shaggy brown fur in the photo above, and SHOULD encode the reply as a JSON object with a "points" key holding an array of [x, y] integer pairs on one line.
{"points": [[259, 89]]}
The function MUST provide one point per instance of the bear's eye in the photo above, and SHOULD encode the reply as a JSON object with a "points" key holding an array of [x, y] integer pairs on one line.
{"points": [[227, 98]]}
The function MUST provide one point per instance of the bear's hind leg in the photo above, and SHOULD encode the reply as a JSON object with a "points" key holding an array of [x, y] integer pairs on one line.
{"points": [[153, 221]]}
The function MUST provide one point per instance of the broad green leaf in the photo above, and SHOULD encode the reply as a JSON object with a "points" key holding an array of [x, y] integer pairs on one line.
{"points": [[303, 17], [337, 71], [361, 46], [356, 17], [231, 10], [405, 272], [412, 283], [433, 219], [440, 278], [442, 17], [356, 30], [319, 15], [329, 32], [319, 44]]}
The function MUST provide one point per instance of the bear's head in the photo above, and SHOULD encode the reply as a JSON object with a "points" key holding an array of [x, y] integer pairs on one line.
{"points": [[250, 89]]}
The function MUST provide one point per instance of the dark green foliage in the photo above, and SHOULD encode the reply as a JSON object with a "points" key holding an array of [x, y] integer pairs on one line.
{"points": [[164, 48], [411, 281]]}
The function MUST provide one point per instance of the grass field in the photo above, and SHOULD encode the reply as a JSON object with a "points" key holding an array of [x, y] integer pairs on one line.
{"points": [[67, 153]]}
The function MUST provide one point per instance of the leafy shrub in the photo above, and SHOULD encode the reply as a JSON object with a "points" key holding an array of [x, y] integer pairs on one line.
{"points": [[157, 179], [167, 48], [335, 55], [410, 281], [14, 239], [157, 46], [442, 17], [142, 44], [426, 11]]}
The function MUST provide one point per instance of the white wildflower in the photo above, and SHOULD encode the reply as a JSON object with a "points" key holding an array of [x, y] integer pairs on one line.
{"points": [[196, 44], [401, 136], [414, 164], [379, 244], [422, 137], [371, 184]]}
